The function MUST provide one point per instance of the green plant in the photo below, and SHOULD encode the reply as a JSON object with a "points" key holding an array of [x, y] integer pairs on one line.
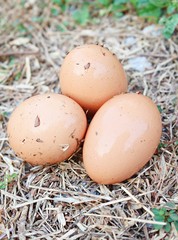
{"points": [[82, 15], [161, 11], [159, 108], [162, 145], [21, 28], [18, 76], [167, 214], [170, 24], [7, 179]]}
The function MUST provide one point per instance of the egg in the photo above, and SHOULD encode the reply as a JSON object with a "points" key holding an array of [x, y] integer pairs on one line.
{"points": [[122, 137], [46, 129], [90, 74]]}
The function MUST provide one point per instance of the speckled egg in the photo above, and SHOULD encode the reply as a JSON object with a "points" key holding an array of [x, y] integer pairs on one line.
{"points": [[90, 74], [122, 137], [46, 129]]}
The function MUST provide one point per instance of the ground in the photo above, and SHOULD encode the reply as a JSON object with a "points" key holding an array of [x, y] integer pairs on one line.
{"points": [[61, 201]]}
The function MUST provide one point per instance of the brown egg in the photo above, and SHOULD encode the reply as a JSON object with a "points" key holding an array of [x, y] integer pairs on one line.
{"points": [[122, 137], [46, 129], [91, 75]]}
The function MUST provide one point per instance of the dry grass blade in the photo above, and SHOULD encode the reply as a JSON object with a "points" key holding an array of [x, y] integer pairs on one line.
{"points": [[137, 201], [129, 219]]}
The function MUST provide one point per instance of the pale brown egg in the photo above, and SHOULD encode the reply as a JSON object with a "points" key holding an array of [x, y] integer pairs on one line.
{"points": [[122, 137], [46, 129], [91, 75]]}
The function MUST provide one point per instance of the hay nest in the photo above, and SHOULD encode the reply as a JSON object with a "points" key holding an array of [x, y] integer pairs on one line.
{"points": [[61, 201]]}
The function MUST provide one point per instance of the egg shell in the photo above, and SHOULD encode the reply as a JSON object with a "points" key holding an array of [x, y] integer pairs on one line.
{"points": [[46, 129], [122, 137], [91, 75]]}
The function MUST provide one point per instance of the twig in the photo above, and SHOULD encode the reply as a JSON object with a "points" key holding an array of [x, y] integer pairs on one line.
{"points": [[115, 201], [126, 218], [137, 201], [17, 54], [22, 223]]}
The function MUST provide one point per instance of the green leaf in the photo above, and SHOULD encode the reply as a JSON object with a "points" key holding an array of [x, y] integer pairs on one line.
{"points": [[58, 2], [146, 9], [117, 2], [82, 15], [169, 219], [143, 3], [6, 114], [159, 218], [155, 211], [134, 2], [62, 4], [176, 225], [105, 3], [167, 227], [11, 61], [171, 9], [161, 145], [10, 177], [54, 11], [120, 2], [21, 28], [159, 108], [157, 226], [170, 26], [174, 216], [162, 211], [162, 20], [159, 3], [150, 13], [17, 76], [3, 185], [120, 7]]}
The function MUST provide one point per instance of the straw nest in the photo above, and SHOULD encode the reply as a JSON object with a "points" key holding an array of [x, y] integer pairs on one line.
{"points": [[61, 201]]}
